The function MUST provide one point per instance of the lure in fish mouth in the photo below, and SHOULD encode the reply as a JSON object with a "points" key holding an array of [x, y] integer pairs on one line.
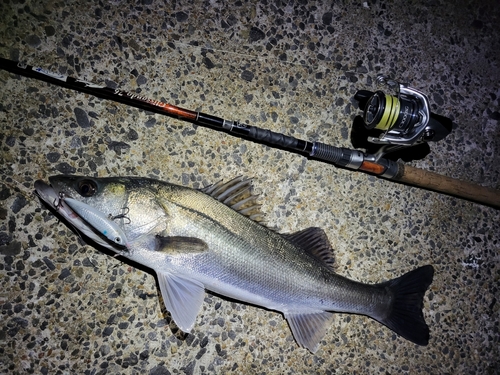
{"points": [[89, 221], [211, 239]]}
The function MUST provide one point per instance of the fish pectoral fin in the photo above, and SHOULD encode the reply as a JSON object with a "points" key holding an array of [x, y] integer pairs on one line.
{"points": [[182, 297], [309, 328], [180, 245]]}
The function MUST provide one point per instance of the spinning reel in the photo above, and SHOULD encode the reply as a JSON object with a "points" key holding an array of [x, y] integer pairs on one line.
{"points": [[393, 122]]}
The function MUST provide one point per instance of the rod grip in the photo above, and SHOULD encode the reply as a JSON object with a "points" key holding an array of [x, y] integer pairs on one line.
{"points": [[451, 186], [276, 139]]}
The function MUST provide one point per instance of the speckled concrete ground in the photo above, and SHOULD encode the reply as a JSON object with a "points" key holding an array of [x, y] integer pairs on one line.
{"points": [[292, 67]]}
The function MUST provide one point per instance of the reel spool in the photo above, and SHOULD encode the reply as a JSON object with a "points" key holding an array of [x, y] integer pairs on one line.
{"points": [[403, 119]]}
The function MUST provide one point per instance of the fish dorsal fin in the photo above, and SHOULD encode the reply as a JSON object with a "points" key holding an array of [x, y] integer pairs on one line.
{"points": [[183, 298], [237, 194], [309, 328], [314, 242]]}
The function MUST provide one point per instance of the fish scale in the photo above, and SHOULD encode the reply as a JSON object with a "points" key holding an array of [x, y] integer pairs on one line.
{"points": [[194, 241]]}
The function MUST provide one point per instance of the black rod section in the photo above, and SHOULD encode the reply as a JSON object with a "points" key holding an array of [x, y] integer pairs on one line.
{"points": [[340, 156]]}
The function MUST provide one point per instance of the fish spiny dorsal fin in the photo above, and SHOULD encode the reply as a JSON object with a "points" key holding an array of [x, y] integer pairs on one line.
{"points": [[314, 242], [237, 194]]}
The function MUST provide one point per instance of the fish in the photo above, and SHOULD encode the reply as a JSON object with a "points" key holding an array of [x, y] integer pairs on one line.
{"points": [[214, 239]]}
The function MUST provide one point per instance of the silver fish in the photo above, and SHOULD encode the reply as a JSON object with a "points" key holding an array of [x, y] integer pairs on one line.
{"points": [[210, 239]]}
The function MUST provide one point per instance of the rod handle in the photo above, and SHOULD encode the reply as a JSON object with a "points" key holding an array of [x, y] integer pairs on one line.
{"points": [[447, 185]]}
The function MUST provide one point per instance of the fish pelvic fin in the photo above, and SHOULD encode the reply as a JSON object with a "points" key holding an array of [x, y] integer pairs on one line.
{"points": [[183, 298], [309, 328], [405, 316]]}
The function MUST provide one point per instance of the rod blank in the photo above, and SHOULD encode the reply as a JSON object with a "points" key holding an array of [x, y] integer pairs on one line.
{"points": [[342, 157]]}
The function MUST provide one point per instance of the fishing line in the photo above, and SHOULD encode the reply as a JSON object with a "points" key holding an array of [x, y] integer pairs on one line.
{"points": [[381, 112]]}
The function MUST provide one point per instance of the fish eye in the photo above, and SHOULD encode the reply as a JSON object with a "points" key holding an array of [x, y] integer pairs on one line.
{"points": [[87, 188], [118, 240]]}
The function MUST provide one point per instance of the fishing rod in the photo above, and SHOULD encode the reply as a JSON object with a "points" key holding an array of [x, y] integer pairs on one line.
{"points": [[403, 120]]}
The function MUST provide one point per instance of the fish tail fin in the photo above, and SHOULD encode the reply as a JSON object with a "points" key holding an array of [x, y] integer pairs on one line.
{"points": [[405, 316]]}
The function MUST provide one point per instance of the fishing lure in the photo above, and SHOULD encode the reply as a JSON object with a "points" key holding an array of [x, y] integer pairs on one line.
{"points": [[97, 220]]}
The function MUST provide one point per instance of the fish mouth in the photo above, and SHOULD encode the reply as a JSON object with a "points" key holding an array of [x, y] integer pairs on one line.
{"points": [[54, 197]]}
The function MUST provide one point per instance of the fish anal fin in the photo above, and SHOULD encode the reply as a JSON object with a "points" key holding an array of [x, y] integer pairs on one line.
{"points": [[237, 194], [309, 328], [182, 297], [180, 245], [314, 242]]}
